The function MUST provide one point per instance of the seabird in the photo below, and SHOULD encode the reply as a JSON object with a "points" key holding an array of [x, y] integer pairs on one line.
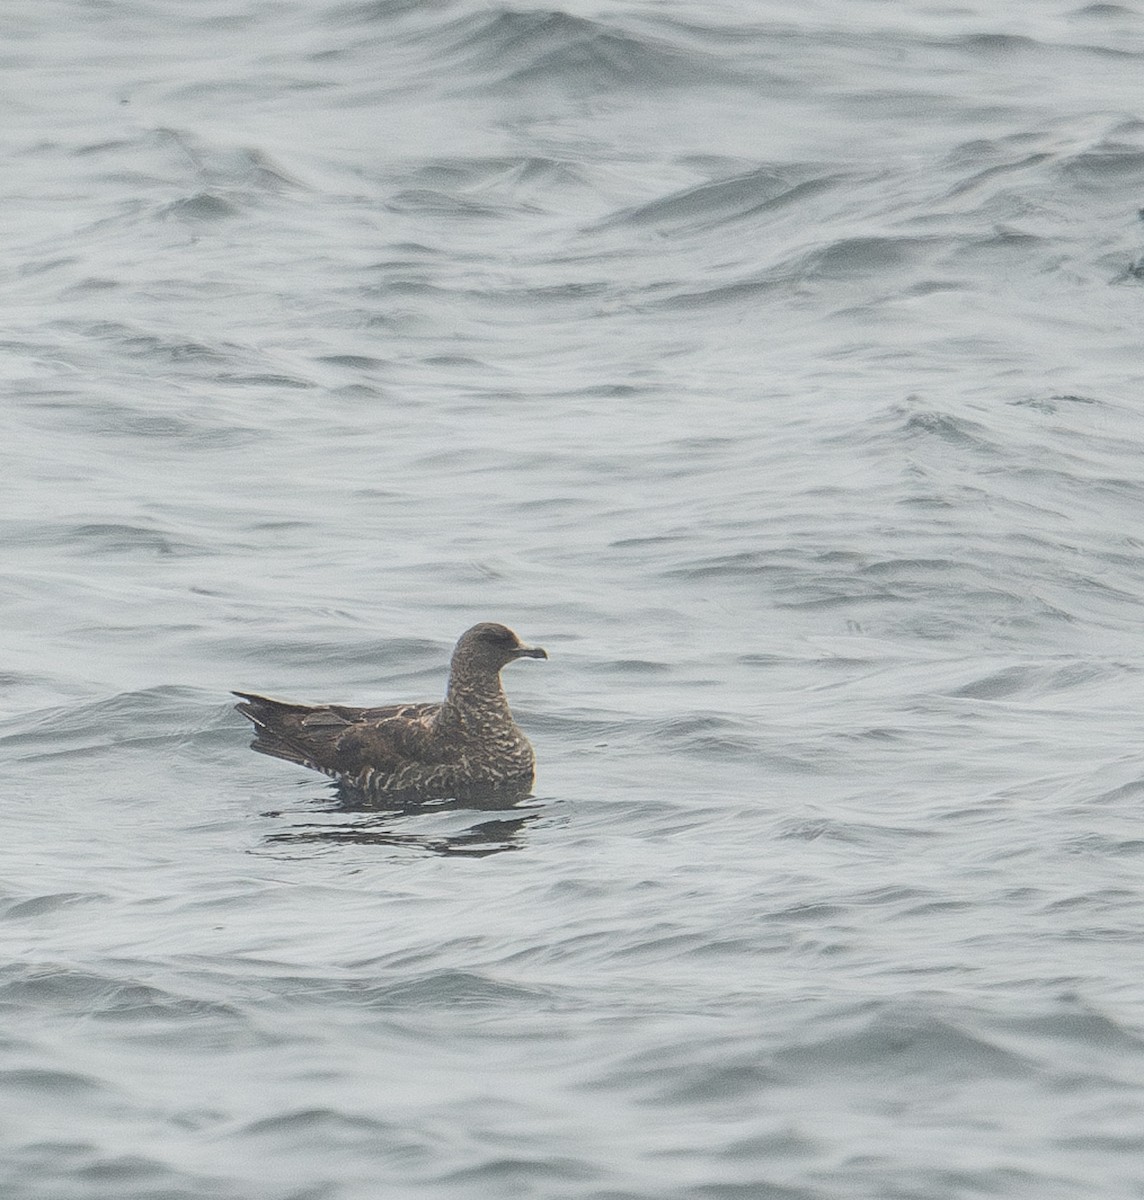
{"points": [[466, 748]]}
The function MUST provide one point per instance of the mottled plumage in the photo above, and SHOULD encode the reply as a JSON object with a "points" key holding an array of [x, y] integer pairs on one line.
{"points": [[468, 747]]}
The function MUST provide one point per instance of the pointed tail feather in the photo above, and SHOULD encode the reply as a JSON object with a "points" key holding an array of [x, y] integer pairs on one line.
{"points": [[270, 737], [262, 710]]}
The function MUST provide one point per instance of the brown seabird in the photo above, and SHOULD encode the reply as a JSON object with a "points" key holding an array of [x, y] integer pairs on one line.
{"points": [[466, 748]]}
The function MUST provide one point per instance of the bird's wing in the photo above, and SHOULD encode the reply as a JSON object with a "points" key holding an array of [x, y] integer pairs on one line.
{"points": [[339, 741]]}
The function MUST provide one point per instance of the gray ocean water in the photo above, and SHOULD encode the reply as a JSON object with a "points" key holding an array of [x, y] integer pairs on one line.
{"points": [[779, 368]]}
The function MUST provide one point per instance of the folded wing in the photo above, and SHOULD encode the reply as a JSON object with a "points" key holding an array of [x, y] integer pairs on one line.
{"points": [[342, 742]]}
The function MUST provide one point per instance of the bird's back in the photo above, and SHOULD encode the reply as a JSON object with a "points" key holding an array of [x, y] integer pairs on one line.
{"points": [[394, 752], [339, 740]]}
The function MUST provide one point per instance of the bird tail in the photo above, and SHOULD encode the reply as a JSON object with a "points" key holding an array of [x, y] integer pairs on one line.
{"points": [[272, 720]]}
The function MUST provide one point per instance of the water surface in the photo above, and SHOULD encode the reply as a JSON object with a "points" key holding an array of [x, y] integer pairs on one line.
{"points": [[778, 369]]}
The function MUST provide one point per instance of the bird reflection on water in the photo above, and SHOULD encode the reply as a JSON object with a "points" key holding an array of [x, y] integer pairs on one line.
{"points": [[369, 823]]}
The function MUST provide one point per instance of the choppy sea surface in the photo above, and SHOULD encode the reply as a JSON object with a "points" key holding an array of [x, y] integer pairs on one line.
{"points": [[780, 368]]}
